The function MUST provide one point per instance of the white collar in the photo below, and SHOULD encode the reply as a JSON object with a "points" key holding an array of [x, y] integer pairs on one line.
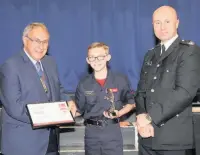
{"points": [[32, 60], [169, 42]]}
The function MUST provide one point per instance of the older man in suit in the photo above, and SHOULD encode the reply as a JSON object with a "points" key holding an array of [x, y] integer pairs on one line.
{"points": [[29, 77]]}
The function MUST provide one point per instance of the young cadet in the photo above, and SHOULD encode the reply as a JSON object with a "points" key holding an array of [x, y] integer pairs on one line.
{"points": [[96, 95]]}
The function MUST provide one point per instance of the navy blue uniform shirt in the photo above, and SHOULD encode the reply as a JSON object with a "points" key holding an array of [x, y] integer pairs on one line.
{"points": [[90, 96]]}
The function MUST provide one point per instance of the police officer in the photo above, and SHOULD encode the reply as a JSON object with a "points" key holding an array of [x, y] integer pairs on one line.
{"points": [[168, 83], [102, 98]]}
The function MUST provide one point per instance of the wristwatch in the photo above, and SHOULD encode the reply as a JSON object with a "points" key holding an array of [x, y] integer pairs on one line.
{"points": [[148, 118]]}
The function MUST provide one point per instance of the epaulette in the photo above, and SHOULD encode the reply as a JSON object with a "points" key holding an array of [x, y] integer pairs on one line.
{"points": [[187, 42], [151, 49], [154, 47]]}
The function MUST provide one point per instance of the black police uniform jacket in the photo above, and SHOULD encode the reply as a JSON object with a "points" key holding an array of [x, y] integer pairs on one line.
{"points": [[167, 86]]}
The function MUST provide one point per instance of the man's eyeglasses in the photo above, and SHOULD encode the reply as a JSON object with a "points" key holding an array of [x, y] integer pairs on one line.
{"points": [[99, 58], [39, 42]]}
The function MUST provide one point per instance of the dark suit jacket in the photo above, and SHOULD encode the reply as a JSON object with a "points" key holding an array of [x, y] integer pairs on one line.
{"points": [[167, 86], [20, 85]]}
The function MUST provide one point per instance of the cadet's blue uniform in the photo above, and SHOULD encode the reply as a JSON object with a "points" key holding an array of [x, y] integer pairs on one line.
{"points": [[102, 135]]}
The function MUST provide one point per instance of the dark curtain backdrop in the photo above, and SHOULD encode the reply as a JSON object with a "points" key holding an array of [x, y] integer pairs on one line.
{"points": [[125, 25]]}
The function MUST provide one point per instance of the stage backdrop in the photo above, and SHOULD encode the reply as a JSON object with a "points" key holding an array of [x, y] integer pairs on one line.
{"points": [[125, 25]]}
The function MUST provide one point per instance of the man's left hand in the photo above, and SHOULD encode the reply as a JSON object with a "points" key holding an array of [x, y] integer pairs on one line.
{"points": [[147, 131], [142, 120]]}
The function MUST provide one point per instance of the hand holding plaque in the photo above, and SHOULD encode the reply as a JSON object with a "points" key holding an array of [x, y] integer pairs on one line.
{"points": [[49, 114], [111, 98]]}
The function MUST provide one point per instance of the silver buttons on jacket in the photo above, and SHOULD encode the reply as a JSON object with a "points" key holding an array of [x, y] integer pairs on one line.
{"points": [[162, 124], [152, 90]]}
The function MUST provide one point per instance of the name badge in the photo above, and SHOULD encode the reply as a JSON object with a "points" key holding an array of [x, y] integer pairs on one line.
{"points": [[113, 90], [89, 93]]}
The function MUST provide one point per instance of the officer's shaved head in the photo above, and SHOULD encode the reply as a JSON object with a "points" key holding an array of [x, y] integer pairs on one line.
{"points": [[165, 22], [165, 10]]}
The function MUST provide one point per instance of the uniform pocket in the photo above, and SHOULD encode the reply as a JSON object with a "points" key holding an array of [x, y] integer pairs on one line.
{"points": [[91, 99], [167, 78]]}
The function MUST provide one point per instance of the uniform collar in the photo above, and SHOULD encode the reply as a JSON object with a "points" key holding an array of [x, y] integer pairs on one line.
{"points": [[108, 73], [169, 42], [109, 78]]}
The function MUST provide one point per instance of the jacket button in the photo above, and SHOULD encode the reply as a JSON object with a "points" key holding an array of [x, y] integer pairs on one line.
{"points": [[162, 124], [177, 115], [155, 78], [152, 90], [167, 70], [158, 65]]}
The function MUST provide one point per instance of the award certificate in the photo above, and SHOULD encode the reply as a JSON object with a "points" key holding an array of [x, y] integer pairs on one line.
{"points": [[49, 114]]}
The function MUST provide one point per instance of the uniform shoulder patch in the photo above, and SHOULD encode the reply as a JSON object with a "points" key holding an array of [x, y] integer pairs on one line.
{"points": [[150, 49], [187, 42], [154, 47]]}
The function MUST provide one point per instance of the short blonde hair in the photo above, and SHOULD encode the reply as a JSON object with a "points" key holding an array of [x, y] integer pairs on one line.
{"points": [[99, 45], [31, 26]]}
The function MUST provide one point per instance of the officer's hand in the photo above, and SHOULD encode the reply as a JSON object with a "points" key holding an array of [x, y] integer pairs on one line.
{"points": [[72, 107], [147, 131], [142, 121], [106, 114]]}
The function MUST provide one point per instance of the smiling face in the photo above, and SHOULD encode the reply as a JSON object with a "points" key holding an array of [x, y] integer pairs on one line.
{"points": [[98, 58], [36, 42], [165, 23]]}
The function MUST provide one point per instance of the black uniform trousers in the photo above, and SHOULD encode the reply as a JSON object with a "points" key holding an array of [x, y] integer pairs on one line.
{"points": [[196, 120], [103, 140], [146, 150]]}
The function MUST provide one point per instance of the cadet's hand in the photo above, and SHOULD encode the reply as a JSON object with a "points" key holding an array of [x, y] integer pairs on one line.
{"points": [[142, 121], [105, 113], [72, 107], [147, 131]]}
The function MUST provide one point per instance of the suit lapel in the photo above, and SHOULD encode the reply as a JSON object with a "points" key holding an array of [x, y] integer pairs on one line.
{"points": [[31, 71], [152, 54], [157, 52], [169, 50]]}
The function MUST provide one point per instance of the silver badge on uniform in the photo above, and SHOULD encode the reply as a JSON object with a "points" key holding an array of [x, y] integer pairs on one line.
{"points": [[89, 93], [149, 63]]}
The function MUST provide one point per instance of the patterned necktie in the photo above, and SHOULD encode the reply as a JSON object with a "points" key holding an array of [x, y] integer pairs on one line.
{"points": [[41, 75]]}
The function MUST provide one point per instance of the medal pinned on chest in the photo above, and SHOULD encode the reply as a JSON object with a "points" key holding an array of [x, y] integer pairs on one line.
{"points": [[111, 98]]}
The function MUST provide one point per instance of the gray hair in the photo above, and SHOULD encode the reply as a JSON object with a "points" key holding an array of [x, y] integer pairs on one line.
{"points": [[31, 26]]}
